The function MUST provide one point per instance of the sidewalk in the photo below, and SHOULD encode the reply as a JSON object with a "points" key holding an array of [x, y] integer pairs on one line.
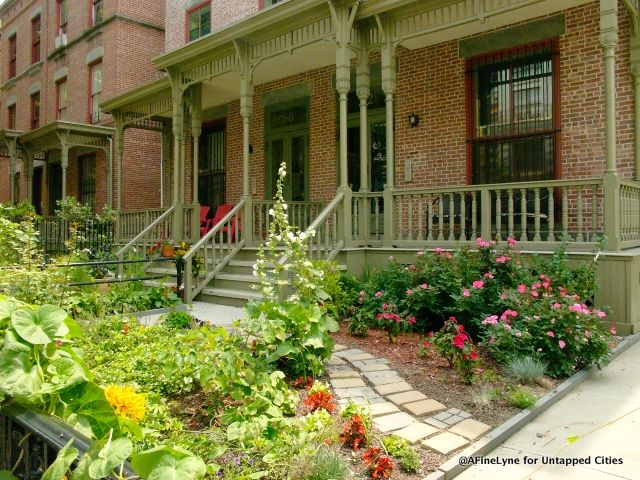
{"points": [[604, 412]]}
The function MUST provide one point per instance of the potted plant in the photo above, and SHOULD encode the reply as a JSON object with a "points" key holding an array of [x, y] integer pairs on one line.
{"points": [[168, 250], [196, 261]]}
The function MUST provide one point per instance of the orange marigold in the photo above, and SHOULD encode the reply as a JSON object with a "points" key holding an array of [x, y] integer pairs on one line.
{"points": [[126, 402]]}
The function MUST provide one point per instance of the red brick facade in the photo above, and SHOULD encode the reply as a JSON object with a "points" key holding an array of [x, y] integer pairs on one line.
{"points": [[130, 34]]}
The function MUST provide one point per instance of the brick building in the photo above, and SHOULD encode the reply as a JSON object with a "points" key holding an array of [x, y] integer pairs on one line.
{"points": [[60, 60]]}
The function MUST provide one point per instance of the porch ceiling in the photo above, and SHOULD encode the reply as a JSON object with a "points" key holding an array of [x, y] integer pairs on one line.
{"points": [[59, 133]]}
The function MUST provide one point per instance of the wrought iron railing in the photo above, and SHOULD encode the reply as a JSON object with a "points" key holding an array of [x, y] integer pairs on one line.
{"points": [[94, 235]]}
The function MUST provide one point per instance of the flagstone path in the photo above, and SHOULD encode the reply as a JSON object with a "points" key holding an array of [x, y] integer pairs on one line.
{"points": [[395, 407]]}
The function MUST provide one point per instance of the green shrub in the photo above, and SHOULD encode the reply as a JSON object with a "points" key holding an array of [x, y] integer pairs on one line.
{"points": [[521, 398], [177, 320], [400, 449], [525, 369], [328, 464], [21, 212]]}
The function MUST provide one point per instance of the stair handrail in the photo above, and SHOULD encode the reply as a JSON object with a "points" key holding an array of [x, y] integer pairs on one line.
{"points": [[200, 247], [317, 223], [135, 240]]}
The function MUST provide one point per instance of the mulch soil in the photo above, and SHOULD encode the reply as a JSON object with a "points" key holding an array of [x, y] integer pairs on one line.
{"points": [[432, 376]]}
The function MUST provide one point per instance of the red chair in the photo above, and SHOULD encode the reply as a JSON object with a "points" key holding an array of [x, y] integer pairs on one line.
{"points": [[204, 211], [221, 212]]}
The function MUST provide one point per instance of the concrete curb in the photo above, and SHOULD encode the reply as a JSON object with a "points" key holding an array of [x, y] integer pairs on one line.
{"points": [[144, 317], [452, 468]]}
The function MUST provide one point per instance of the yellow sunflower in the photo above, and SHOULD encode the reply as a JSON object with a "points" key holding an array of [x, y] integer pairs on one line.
{"points": [[126, 402]]}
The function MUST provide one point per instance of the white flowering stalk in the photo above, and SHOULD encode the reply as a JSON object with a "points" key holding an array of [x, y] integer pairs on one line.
{"points": [[278, 269]]}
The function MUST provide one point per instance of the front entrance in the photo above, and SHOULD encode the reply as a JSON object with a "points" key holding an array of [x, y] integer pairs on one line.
{"points": [[287, 140], [211, 166], [54, 186]]}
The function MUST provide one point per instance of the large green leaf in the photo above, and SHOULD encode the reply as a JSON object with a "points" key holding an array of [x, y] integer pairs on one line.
{"points": [[168, 463], [86, 405], [7, 307], [19, 377], [66, 456], [40, 326], [65, 372], [6, 475], [14, 343], [114, 453]]}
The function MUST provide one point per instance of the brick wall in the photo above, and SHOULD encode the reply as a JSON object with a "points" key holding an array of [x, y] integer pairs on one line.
{"points": [[130, 41]]}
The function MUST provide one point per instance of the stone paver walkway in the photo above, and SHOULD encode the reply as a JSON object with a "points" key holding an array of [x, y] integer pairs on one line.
{"points": [[395, 406]]}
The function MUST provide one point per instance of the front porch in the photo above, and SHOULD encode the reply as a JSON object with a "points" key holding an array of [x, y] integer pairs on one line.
{"points": [[365, 175]]}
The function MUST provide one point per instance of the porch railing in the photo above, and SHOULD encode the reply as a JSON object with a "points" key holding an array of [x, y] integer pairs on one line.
{"points": [[535, 213], [158, 230], [629, 214], [325, 234], [130, 224], [367, 214], [54, 233], [213, 252], [300, 215]]}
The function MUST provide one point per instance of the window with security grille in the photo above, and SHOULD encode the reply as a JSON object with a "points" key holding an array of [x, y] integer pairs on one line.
{"points": [[87, 179], [512, 117]]}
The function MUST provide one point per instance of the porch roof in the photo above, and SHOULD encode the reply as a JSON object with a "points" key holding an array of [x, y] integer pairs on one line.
{"points": [[60, 133]]}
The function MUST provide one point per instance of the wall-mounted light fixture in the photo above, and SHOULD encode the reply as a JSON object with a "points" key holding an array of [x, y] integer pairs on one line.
{"points": [[414, 120]]}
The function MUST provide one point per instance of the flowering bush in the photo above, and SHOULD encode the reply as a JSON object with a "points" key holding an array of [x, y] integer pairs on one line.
{"points": [[379, 466], [320, 398], [354, 433], [393, 323], [455, 345], [548, 323]]}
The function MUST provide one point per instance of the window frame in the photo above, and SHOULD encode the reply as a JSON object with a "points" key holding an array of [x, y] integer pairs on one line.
{"points": [[191, 11], [93, 8], [12, 117], [62, 27], [13, 55], [268, 3], [36, 39], [553, 44], [61, 110], [91, 117], [34, 116]]}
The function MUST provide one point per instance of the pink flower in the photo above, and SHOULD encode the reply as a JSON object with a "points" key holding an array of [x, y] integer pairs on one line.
{"points": [[503, 296], [556, 306], [447, 255], [409, 291], [378, 294], [535, 294], [361, 299], [488, 275], [420, 253], [479, 284], [506, 326], [411, 320], [438, 250], [379, 316], [601, 314], [561, 344], [424, 286], [550, 334], [511, 241], [613, 330], [490, 320], [522, 288], [411, 267], [502, 259], [482, 243], [465, 292]]}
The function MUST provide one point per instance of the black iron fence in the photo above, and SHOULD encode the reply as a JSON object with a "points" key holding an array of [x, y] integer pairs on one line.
{"points": [[91, 235], [30, 441]]}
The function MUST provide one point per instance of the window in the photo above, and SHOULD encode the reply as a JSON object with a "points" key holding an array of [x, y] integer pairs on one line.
{"points": [[87, 180], [95, 90], [198, 21], [513, 122], [96, 11], [11, 114], [13, 49], [63, 17], [61, 99], [35, 110], [268, 3], [35, 39]]}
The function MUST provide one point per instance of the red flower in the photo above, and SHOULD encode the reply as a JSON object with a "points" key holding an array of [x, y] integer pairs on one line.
{"points": [[459, 341], [474, 355], [320, 400]]}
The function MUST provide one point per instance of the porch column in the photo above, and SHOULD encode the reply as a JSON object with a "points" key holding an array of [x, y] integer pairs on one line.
{"points": [[119, 152], [178, 144], [11, 146], [109, 171], [388, 66], [196, 130], [64, 162], [611, 185], [635, 72], [246, 110], [28, 167], [363, 90]]}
